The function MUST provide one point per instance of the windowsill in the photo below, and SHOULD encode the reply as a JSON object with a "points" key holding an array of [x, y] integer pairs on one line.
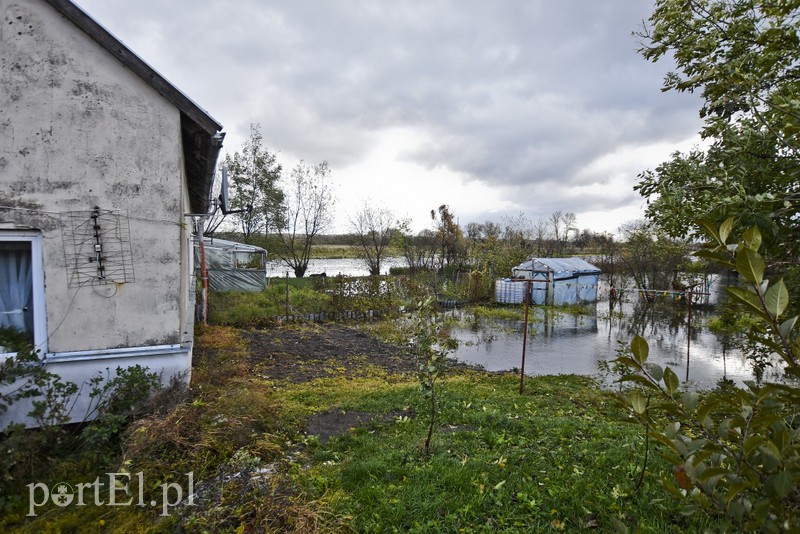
{"points": [[127, 352]]}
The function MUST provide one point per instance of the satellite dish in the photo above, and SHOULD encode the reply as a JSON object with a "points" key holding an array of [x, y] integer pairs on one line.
{"points": [[223, 194]]}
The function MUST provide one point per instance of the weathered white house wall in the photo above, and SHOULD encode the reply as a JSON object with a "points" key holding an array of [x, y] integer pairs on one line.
{"points": [[79, 130]]}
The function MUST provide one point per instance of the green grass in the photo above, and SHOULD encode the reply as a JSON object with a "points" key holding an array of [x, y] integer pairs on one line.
{"points": [[561, 456], [260, 308], [500, 312], [335, 252]]}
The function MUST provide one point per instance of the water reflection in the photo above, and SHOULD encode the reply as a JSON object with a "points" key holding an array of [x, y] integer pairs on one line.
{"points": [[333, 267], [561, 343], [566, 343]]}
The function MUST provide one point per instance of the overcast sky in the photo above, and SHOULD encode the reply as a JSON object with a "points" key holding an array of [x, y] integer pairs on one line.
{"points": [[492, 107]]}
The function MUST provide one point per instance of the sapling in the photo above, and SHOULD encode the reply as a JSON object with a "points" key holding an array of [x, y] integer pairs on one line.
{"points": [[431, 344]]}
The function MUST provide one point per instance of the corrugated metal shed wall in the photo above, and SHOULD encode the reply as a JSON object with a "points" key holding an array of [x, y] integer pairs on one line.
{"points": [[564, 280]]}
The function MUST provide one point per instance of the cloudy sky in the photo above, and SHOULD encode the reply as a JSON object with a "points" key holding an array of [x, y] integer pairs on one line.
{"points": [[493, 107]]}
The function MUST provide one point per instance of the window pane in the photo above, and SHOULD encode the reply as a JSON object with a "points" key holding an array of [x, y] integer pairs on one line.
{"points": [[248, 260], [16, 288]]}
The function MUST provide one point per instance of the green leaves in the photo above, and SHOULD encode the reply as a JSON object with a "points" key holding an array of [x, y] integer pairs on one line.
{"points": [[638, 401], [750, 265], [640, 349], [781, 485], [752, 238], [725, 230], [748, 298], [671, 380], [776, 299], [737, 451], [737, 448]]}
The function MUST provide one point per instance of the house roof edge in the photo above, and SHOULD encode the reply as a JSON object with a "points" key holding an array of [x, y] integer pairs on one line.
{"points": [[141, 68]]}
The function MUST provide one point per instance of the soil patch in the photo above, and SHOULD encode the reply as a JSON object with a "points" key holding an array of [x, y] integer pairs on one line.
{"points": [[303, 353], [306, 352], [328, 424]]}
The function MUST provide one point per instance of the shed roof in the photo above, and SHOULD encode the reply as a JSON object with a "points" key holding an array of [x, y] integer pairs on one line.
{"points": [[201, 134], [224, 244], [574, 265]]}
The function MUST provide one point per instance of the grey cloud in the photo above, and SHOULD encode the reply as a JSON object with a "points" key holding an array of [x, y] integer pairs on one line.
{"points": [[511, 92]]}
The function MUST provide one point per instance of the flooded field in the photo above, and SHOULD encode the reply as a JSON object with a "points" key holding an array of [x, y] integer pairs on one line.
{"points": [[333, 267], [565, 343]]}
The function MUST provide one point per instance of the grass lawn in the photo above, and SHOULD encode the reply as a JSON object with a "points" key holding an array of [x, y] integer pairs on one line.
{"points": [[562, 456], [343, 453]]}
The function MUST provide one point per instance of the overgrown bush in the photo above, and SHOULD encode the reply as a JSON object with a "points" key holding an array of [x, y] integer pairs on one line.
{"points": [[735, 454], [373, 293], [260, 308], [385, 295], [29, 454], [19, 372], [115, 400]]}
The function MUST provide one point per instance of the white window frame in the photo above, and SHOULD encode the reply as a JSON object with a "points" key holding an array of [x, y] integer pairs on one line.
{"points": [[37, 266]]}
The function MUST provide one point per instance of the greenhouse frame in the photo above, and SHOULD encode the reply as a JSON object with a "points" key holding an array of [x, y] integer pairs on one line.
{"points": [[232, 266]]}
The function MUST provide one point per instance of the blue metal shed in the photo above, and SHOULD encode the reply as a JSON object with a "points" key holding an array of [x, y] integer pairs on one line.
{"points": [[556, 281]]}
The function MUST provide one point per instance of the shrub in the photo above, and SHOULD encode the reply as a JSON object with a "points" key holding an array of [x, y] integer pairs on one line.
{"points": [[736, 454]]}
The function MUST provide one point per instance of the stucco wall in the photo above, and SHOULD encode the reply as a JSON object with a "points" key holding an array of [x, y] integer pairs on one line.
{"points": [[78, 130]]}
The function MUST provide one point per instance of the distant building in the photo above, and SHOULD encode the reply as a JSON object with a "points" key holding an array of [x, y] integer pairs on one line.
{"points": [[101, 162], [556, 281]]}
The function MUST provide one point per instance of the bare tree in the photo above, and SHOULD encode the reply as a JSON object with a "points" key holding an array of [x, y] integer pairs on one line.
{"points": [[372, 226], [562, 225], [484, 231], [475, 231], [418, 250], [555, 226], [517, 232], [308, 206], [540, 237]]}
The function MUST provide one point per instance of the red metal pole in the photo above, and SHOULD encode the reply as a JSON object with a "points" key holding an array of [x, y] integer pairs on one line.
{"points": [[525, 336], [688, 331], [204, 277]]}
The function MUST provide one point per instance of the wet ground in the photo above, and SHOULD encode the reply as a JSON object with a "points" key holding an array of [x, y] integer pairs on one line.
{"points": [[303, 353]]}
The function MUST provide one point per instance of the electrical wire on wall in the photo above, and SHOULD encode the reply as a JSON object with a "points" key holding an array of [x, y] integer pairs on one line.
{"points": [[61, 322], [58, 215]]}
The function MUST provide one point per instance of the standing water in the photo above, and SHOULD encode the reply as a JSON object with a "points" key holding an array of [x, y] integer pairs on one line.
{"points": [[333, 267], [580, 343], [577, 343]]}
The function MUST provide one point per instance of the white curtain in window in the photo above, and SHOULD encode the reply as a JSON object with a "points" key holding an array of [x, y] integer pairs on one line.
{"points": [[16, 288]]}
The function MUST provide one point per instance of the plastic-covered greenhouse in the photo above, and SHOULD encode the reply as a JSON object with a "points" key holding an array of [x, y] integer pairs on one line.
{"points": [[557, 281], [232, 266]]}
